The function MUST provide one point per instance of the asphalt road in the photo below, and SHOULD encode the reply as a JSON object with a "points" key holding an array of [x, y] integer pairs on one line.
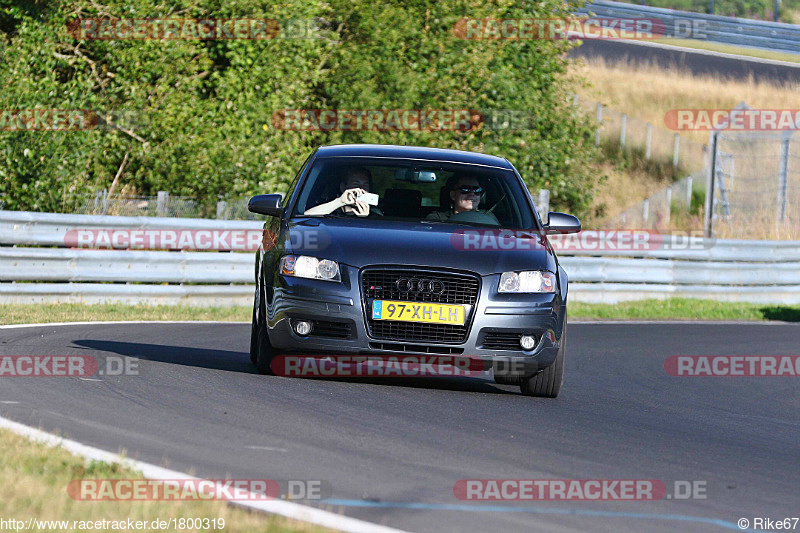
{"points": [[698, 62], [392, 451]]}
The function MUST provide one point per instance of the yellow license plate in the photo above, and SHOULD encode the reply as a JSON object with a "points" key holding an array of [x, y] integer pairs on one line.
{"points": [[418, 312]]}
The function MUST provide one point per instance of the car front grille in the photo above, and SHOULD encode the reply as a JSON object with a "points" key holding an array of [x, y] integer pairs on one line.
{"points": [[416, 348], [336, 330], [456, 289]]}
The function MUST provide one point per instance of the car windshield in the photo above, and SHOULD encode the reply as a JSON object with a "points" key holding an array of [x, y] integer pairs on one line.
{"points": [[414, 190]]}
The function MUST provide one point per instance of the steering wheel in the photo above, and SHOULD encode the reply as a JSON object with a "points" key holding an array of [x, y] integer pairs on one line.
{"points": [[476, 217]]}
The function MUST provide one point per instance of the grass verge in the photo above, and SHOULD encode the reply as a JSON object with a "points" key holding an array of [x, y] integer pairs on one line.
{"points": [[698, 44], [684, 308], [36, 487], [673, 308], [41, 313]]}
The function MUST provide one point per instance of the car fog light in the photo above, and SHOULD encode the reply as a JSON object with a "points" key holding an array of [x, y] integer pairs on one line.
{"points": [[302, 327], [527, 342]]}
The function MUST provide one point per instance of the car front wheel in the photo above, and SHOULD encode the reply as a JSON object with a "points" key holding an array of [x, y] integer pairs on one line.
{"points": [[254, 338], [265, 353], [547, 383], [261, 351]]}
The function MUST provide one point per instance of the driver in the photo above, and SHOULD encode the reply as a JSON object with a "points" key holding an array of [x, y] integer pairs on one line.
{"points": [[357, 181], [466, 193]]}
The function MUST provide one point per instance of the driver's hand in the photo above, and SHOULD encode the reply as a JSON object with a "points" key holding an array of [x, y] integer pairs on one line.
{"points": [[349, 196]]}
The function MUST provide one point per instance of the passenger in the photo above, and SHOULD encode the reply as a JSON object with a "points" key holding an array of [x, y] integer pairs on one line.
{"points": [[357, 181]]}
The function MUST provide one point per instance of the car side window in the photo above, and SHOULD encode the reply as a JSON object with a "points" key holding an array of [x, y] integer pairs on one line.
{"points": [[296, 180]]}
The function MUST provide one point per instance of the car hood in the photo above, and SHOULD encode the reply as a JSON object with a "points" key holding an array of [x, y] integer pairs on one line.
{"points": [[361, 242]]}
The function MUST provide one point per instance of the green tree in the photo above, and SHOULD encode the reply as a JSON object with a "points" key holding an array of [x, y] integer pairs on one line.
{"points": [[204, 106]]}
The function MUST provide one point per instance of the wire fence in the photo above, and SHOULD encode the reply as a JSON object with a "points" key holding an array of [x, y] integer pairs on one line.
{"points": [[754, 176], [666, 209], [653, 143], [164, 205], [756, 185], [661, 152]]}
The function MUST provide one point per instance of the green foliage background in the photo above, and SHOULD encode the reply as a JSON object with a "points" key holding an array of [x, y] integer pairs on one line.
{"points": [[208, 104]]}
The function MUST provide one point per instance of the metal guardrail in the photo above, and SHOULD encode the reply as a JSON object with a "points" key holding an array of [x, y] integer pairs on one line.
{"points": [[95, 293], [716, 28], [669, 272], [50, 229], [758, 271], [55, 264], [694, 249], [50, 264]]}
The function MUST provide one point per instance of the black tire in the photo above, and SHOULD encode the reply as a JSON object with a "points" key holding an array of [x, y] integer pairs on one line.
{"points": [[261, 351], [254, 339], [547, 383], [508, 380], [264, 352]]}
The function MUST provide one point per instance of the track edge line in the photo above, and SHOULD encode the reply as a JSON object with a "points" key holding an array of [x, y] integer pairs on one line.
{"points": [[290, 510]]}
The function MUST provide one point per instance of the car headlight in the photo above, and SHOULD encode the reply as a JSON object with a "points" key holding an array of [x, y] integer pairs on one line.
{"points": [[527, 281], [304, 266]]}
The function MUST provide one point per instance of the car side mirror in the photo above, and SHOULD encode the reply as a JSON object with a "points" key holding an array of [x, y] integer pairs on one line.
{"points": [[266, 204], [562, 223]]}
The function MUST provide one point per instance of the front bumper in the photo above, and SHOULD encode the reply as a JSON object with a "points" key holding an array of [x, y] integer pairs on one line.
{"points": [[338, 307]]}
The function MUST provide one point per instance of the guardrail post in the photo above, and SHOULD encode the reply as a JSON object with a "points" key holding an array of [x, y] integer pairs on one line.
{"points": [[222, 210], [689, 193], [645, 211], [676, 144], [649, 140], [712, 169], [783, 175], [161, 203], [599, 121], [544, 202], [105, 201], [622, 129]]}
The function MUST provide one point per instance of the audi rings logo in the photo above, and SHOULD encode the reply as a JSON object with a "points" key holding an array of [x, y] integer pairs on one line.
{"points": [[416, 285]]}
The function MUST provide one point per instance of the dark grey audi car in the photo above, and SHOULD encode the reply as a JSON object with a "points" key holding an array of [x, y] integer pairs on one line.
{"points": [[397, 249]]}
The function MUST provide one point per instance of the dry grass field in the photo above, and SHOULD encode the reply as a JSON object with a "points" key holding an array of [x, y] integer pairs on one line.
{"points": [[646, 94]]}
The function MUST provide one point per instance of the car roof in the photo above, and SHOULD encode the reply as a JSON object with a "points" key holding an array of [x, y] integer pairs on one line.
{"points": [[413, 152]]}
